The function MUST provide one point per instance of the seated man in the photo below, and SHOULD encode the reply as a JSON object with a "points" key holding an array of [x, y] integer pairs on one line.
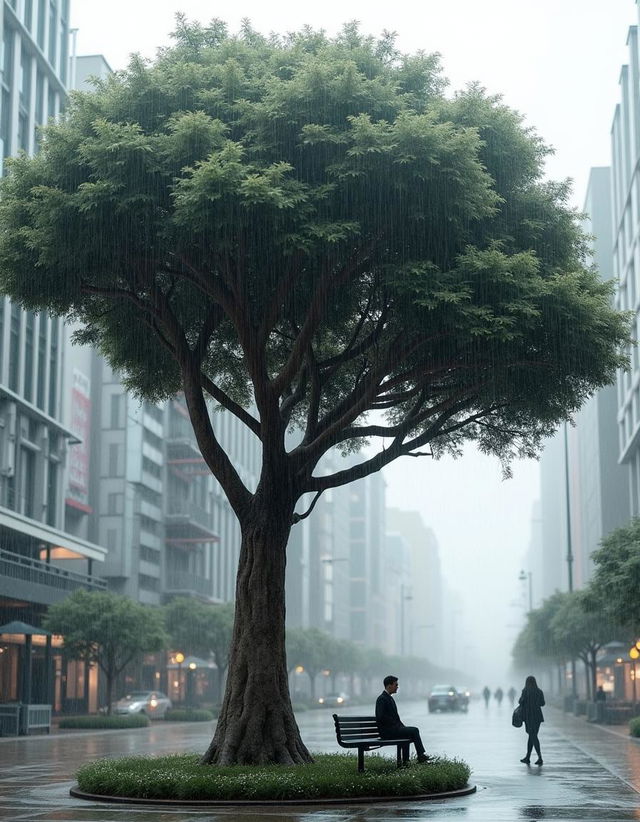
{"points": [[389, 723]]}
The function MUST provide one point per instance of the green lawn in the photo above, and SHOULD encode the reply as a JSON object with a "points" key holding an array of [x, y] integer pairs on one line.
{"points": [[331, 776]]}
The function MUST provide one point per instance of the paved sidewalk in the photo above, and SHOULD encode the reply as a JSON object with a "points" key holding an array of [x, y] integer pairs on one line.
{"points": [[589, 773]]}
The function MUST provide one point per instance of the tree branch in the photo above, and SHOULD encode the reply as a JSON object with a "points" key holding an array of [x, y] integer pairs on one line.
{"points": [[317, 310], [297, 517]]}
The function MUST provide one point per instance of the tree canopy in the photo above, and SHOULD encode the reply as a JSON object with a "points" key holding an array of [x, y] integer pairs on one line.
{"points": [[107, 629], [616, 579], [310, 220], [306, 231]]}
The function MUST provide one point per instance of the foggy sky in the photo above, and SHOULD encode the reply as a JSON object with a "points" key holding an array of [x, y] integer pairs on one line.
{"points": [[556, 61]]}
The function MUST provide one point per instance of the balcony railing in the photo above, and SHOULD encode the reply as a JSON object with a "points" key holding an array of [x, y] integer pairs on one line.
{"points": [[184, 511], [181, 581], [35, 572]]}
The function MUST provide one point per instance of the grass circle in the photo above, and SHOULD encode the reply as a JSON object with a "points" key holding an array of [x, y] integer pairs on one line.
{"points": [[332, 776]]}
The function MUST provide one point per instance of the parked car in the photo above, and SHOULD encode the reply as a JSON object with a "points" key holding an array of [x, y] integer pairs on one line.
{"points": [[337, 700], [154, 704], [444, 698]]}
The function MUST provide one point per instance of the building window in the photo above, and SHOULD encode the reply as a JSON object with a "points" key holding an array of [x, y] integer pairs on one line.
{"points": [[42, 10], [28, 355], [23, 132], [42, 361], [152, 439], [115, 504], [40, 98], [28, 14], [5, 123], [63, 53], [153, 411], [27, 481], [51, 103], [14, 347], [53, 38], [114, 460], [53, 369], [149, 555], [7, 55], [52, 493], [148, 524], [117, 407], [148, 583], [151, 467], [25, 80]]}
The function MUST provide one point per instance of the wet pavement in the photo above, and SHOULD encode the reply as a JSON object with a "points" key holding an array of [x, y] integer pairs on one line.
{"points": [[590, 773]]}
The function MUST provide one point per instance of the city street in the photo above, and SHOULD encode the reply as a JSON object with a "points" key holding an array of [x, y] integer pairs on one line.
{"points": [[590, 773]]}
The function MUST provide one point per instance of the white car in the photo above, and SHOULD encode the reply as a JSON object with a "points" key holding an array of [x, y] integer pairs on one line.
{"points": [[154, 704]]}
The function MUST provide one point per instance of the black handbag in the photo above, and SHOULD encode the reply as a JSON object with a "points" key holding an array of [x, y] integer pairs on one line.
{"points": [[516, 718]]}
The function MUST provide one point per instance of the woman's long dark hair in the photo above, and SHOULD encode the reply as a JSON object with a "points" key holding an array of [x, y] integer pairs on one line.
{"points": [[530, 682]]}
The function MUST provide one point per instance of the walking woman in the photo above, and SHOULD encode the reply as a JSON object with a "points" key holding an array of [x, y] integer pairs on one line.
{"points": [[532, 700]]}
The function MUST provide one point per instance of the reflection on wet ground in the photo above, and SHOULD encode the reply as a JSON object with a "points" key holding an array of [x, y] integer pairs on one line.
{"points": [[590, 773]]}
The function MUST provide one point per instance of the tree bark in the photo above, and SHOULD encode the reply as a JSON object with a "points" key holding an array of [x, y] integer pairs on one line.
{"points": [[256, 725]]}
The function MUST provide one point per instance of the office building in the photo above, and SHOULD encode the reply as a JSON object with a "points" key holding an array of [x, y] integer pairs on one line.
{"points": [[45, 551], [585, 474]]}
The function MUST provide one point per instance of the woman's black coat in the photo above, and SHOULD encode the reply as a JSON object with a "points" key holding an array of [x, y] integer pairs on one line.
{"points": [[532, 700]]}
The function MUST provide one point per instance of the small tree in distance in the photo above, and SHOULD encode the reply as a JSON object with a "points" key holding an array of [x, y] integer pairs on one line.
{"points": [[201, 629], [306, 226], [106, 629]]}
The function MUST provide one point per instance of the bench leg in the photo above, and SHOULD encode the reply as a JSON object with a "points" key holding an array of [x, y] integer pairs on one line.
{"points": [[360, 760]]}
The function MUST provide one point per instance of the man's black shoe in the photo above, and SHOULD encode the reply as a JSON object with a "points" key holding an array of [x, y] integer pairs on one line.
{"points": [[424, 758]]}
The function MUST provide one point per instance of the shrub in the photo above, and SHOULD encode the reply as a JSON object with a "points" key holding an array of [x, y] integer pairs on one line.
{"points": [[188, 715], [95, 722], [331, 776], [634, 726]]}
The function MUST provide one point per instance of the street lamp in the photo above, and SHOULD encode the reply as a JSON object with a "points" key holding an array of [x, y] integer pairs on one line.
{"points": [[179, 658], [569, 556], [523, 577], [191, 683], [634, 653], [403, 598]]}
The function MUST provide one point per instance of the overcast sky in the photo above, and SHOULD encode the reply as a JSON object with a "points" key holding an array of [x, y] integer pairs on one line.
{"points": [[556, 61]]}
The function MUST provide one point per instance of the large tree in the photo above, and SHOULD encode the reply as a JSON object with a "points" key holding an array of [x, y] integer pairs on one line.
{"points": [[106, 629], [305, 231]]}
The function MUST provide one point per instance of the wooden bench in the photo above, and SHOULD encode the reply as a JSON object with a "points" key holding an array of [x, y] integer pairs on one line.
{"points": [[362, 732]]}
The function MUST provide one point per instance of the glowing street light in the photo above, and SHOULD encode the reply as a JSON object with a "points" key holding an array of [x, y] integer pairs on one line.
{"points": [[179, 658]]}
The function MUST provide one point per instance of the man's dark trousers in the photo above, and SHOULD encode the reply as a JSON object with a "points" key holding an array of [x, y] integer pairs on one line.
{"points": [[412, 733]]}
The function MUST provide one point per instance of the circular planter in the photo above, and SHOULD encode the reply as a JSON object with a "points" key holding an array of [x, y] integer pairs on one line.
{"points": [[203, 803]]}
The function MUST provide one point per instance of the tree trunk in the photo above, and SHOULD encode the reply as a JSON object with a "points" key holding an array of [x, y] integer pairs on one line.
{"points": [[256, 725], [594, 672], [587, 676], [312, 674], [109, 677]]}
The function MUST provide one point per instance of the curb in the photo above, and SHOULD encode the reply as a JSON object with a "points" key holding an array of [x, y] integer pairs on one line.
{"points": [[204, 803]]}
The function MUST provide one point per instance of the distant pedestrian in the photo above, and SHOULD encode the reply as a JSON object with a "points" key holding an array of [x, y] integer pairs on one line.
{"points": [[498, 695], [601, 695], [511, 693], [532, 700], [486, 693]]}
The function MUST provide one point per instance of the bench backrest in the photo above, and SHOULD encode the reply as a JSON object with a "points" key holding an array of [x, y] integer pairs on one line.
{"points": [[356, 727]]}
